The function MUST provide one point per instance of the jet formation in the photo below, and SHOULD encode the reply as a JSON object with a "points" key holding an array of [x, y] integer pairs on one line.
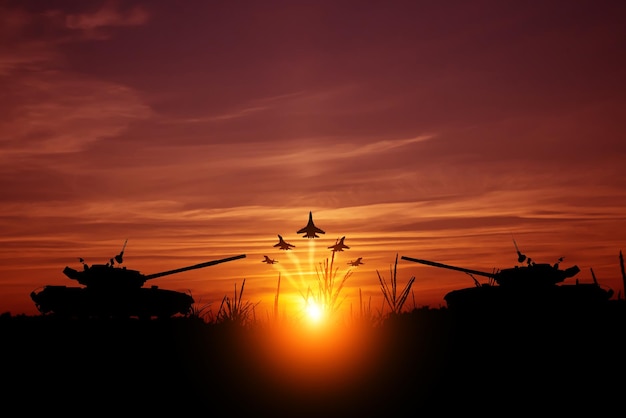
{"points": [[310, 230]]}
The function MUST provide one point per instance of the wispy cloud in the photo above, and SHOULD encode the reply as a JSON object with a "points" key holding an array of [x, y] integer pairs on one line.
{"points": [[55, 113], [48, 108], [109, 15], [318, 151]]}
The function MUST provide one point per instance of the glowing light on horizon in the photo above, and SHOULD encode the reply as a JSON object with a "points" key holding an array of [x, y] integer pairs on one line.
{"points": [[314, 311], [311, 282]]}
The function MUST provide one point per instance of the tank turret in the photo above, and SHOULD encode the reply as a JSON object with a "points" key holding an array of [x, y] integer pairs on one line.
{"points": [[536, 285], [112, 290], [108, 276], [532, 275]]}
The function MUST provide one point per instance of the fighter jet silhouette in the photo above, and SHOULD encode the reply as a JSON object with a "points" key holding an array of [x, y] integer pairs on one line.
{"points": [[339, 245], [269, 260], [356, 262], [283, 245], [310, 230]]}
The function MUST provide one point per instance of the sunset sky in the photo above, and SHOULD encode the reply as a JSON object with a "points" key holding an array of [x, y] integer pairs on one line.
{"points": [[200, 130]]}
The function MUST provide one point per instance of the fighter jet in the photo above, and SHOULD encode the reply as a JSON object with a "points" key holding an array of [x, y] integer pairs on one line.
{"points": [[310, 230], [356, 262], [339, 245], [269, 260], [283, 245]]}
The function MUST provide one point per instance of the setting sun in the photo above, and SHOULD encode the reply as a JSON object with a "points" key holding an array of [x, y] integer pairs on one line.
{"points": [[314, 312]]}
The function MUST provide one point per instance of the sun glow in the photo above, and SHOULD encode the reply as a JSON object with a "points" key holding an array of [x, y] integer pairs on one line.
{"points": [[312, 274], [314, 312]]}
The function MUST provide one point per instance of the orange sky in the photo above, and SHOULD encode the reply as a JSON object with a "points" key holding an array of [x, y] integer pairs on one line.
{"points": [[202, 130]]}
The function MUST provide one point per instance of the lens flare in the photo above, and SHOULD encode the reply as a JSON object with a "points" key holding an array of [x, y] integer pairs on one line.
{"points": [[316, 279], [315, 312]]}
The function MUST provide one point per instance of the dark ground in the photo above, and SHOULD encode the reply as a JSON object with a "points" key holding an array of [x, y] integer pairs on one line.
{"points": [[429, 361]]}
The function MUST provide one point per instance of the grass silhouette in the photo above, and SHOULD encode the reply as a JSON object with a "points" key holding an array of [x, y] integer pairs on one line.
{"points": [[327, 295], [394, 301], [366, 316], [235, 311], [200, 310]]}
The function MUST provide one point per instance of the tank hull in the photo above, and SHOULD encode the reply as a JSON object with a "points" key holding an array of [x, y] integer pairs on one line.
{"points": [[502, 299], [97, 303]]}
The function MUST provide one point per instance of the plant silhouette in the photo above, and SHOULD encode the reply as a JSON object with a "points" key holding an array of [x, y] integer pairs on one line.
{"points": [[394, 301]]}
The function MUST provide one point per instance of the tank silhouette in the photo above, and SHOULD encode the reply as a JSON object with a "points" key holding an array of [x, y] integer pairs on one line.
{"points": [[533, 286], [112, 291]]}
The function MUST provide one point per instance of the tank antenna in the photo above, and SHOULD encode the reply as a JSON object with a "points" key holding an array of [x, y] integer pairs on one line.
{"points": [[120, 257], [520, 257]]}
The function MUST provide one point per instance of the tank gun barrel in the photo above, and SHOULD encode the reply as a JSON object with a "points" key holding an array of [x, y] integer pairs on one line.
{"points": [[446, 266], [195, 266]]}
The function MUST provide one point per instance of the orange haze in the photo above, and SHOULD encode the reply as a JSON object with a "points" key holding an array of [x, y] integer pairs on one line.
{"points": [[441, 132]]}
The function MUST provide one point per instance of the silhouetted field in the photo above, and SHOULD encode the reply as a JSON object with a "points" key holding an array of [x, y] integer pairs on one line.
{"points": [[427, 361]]}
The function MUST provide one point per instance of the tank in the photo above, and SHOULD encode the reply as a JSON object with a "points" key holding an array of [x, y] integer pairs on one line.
{"points": [[112, 291], [529, 287]]}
